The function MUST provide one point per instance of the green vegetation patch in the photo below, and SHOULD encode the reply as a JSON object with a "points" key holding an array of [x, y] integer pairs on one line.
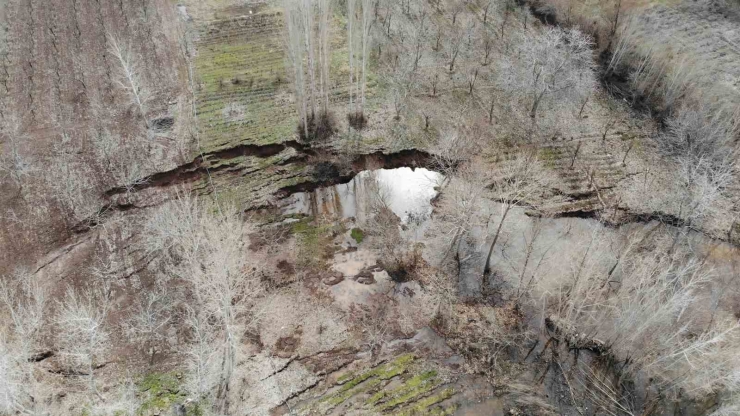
{"points": [[243, 95], [160, 391], [549, 156], [423, 406], [314, 243], [353, 384], [357, 234], [409, 391]]}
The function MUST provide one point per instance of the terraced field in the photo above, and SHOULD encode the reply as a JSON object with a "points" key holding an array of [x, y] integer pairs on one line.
{"points": [[401, 386], [242, 93], [706, 38], [586, 169], [243, 88]]}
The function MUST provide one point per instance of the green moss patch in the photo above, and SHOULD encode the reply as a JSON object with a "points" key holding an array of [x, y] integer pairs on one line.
{"points": [[424, 406], [314, 243], [401, 386], [357, 234], [159, 391], [409, 391], [354, 384]]}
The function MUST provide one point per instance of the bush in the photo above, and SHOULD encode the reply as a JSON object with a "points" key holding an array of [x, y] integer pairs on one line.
{"points": [[320, 128], [357, 120], [358, 235]]}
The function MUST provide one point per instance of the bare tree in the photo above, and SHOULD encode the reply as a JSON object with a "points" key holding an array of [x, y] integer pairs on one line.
{"points": [[457, 7], [367, 23], [294, 22], [124, 160], [627, 31], [306, 39], [149, 321], [613, 20], [508, 8], [650, 309], [455, 41], [71, 180], [514, 183], [130, 78], [487, 9], [83, 337], [307, 13], [17, 166], [555, 66], [201, 358], [402, 82], [488, 42], [459, 207], [208, 251], [472, 77], [24, 299], [324, 11], [420, 40], [125, 401], [351, 4]]}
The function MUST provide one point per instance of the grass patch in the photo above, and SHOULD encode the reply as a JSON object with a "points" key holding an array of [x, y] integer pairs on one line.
{"points": [[160, 391], [422, 407], [242, 94], [409, 391], [353, 384], [357, 234], [549, 156], [314, 243]]}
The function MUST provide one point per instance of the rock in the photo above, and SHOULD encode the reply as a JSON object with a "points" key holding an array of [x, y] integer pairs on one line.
{"points": [[333, 279], [425, 340], [179, 410], [366, 280], [455, 362], [285, 347], [365, 277]]}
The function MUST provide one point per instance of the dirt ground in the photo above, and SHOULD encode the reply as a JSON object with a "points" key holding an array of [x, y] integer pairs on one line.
{"points": [[60, 90]]}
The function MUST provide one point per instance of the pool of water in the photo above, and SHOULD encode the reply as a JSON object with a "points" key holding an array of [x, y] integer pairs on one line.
{"points": [[407, 192]]}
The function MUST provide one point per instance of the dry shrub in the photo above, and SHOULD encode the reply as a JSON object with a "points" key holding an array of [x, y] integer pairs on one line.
{"points": [[357, 120], [649, 309], [319, 129], [403, 267], [375, 321]]}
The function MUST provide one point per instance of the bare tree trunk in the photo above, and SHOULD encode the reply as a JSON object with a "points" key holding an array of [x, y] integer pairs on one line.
{"points": [[490, 111], [471, 81], [503, 22], [309, 39], [350, 46], [294, 21], [366, 26], [485, 12], [575, 154], [535, 105], [626, 153], [487, 268], [609, 124], [584, 105], [324, 53]]}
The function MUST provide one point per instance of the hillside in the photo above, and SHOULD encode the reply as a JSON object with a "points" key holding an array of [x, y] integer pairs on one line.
{"points": [[361, 207]]}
